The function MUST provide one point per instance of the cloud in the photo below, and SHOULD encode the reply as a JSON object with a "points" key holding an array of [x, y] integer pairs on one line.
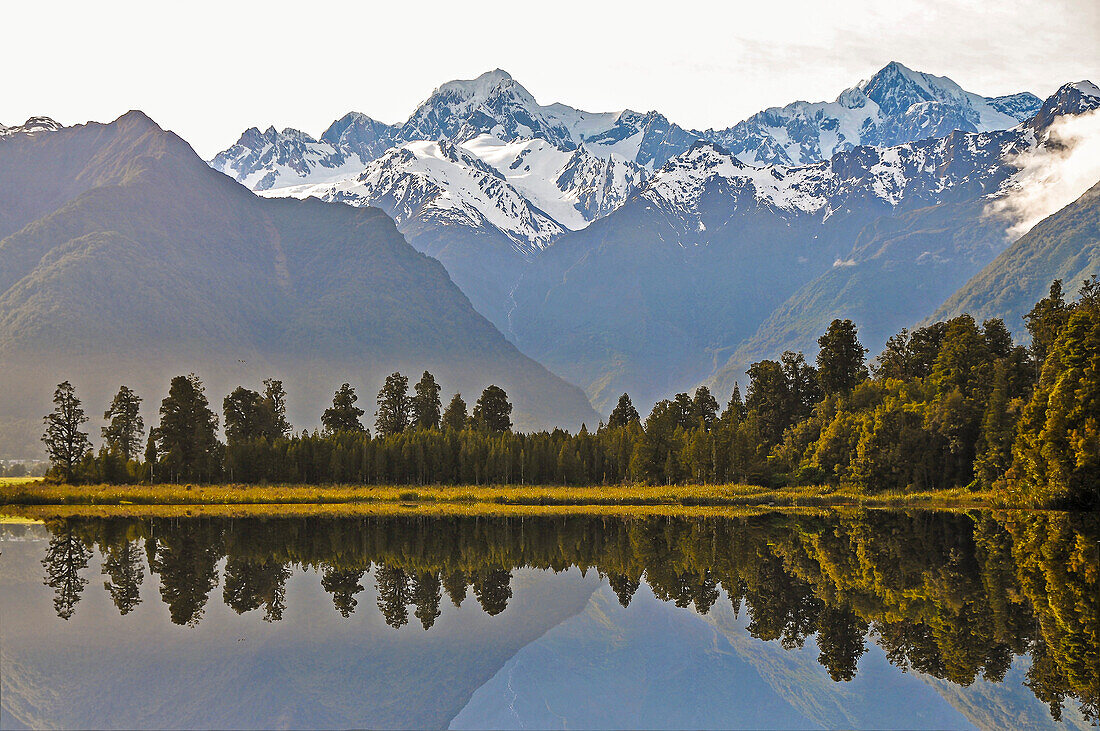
{"points": [[1053, 174]]}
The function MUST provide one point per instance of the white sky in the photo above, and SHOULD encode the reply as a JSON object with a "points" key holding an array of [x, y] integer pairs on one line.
{"points": [[208, 70]]}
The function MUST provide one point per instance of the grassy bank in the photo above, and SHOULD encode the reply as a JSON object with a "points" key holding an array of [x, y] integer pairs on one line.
{"points": [[482, 497]]}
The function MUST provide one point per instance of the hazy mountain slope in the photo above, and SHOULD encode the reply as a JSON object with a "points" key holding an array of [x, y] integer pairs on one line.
{"points": [[902, 267], [657, 295], [1065, 245], [899, 268], [161, 265]]}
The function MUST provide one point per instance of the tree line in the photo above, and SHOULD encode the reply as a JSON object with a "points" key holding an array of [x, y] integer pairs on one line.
{"points": [[952, 595], [952, 404]]}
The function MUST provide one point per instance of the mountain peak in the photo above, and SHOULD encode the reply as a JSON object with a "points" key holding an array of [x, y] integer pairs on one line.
{"points": [[33, 125], [479, 88], [1073, 98]]}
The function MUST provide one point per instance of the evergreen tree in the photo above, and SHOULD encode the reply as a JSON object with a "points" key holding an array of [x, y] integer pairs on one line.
{"points": [[684, 407], [343, 415], [493, 412], [995, 439], [1056, 456], [840, 361], [66, 444], [1045, 321], [186, 438], [124, 429], [704, 408], [248, 416], [735, 409], [623, 413], [455, 416], [394, 406], [426, 405], [276, 398]]}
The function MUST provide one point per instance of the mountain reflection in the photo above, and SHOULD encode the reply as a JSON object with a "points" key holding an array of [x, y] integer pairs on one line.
{"points": [[954, 596]]}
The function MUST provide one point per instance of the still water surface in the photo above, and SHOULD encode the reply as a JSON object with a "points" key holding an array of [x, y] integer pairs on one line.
{"points": [[854, 619]]}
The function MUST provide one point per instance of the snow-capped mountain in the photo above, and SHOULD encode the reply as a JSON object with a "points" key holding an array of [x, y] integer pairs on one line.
{"points": [[34, 125], [529, 190], [894, 106], [717, 260], [496, 104], [485, 178], [274, 159]]}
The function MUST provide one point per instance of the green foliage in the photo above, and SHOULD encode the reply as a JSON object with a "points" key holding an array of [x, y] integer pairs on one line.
{"points": [[248, 415], [948, 406], [426, 406], [455, 416], [343, 415], [125, 427], [840, 365], [1056, 455], [623, 413], [493, 412], [66, 444], [187, 445], [395, 406]]}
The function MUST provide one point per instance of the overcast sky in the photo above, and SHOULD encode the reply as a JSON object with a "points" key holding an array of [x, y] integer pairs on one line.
{"points": [[208, 70]]}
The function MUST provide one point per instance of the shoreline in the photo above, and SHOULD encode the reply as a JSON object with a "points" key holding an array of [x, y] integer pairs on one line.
{"points": [[41, 498]]}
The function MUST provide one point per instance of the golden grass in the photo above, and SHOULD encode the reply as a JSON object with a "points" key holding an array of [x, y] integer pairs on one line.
{"points": [[4, 481], [479, 499]]}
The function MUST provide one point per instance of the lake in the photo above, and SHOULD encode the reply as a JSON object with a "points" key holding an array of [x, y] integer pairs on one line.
{"points": [[846, 618]]}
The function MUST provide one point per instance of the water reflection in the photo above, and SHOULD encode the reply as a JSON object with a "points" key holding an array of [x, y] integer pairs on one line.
{"points": [[953, 596]]}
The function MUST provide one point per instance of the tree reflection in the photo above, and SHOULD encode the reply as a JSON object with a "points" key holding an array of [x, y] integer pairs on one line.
{"points": [[66, 556], [955, 596]]}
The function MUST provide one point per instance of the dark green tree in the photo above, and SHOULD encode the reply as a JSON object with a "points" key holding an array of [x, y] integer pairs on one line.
{"points": [[125, 429], [493, 412], [623, 413], [1045, 321], [704, 408], [735, 410], [187, 443], [685, 411], [343, 415], [276, 398], [840, 361], [455, 416], [394, 406], [426, 406], [66, 443], [248, 416]]}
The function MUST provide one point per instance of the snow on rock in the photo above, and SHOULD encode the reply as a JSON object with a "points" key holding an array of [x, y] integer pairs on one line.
{"points": [[895, 106], [529, 190], [33, 126], [273, 159]]}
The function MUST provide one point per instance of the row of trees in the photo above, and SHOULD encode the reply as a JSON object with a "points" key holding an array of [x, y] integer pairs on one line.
{"points": [[950, 404]]}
